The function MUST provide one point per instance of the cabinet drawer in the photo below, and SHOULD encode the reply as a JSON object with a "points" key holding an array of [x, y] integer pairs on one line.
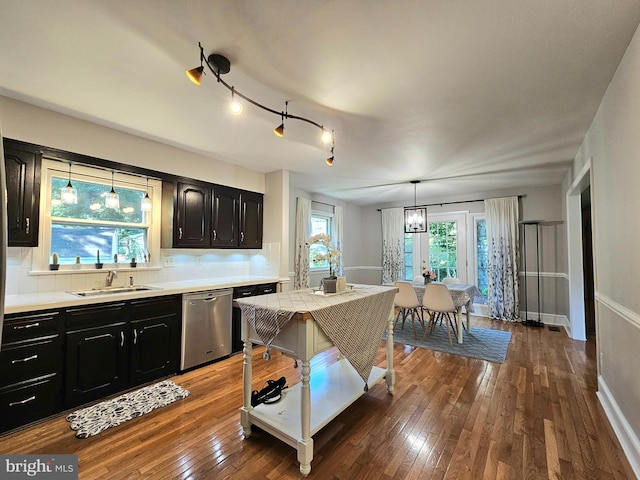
{"points": [[28, 402], [99, 315], [155, 307], [246, 291], [27, 360], [267, 288], [23, 327]]}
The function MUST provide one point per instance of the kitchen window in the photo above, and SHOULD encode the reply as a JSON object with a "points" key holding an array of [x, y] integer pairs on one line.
{"points": [[81, 230]]}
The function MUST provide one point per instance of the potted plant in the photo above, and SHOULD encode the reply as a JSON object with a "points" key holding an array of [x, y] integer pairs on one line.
{"points": [[133, 262], [332, 255], [54, 262], [98, 263], [428, 275]]}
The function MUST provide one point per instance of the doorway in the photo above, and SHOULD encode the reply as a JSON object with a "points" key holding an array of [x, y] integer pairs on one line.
{"points": [[587, 264], [444, 248]]}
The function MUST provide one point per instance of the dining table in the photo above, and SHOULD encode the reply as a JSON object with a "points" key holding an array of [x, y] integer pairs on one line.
{"points": [[463, 295]]}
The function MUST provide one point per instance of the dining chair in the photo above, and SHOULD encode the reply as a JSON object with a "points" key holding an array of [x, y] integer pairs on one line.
{"points": [[451, 280], [419, 279], [407, 300], [438, 302]]}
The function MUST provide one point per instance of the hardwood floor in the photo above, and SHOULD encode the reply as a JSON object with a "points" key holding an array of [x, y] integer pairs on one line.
{"points": [[535, 416]]}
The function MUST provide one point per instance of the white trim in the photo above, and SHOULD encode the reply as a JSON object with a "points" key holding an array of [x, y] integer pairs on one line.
{"points": [[626, 314], [545, 274], [625, 434]]}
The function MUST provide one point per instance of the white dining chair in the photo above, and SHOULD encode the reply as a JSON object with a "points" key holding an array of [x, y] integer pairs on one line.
{"points": [[407, 301], [438, 302], [451, 280]]}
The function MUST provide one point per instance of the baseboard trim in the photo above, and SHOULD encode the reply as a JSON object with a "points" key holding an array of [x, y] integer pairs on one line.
{"points": [[626, 436]]}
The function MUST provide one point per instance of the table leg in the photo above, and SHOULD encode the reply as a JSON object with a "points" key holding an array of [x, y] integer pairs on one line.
{"points": [[459, 324], [390, 377], [247, 373], [468, 317], [305, 444]]}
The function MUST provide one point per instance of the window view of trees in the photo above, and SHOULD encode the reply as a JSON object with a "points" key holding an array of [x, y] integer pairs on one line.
{"points": [[317, 252], [83, 228], [443, 249], [481, 255]]}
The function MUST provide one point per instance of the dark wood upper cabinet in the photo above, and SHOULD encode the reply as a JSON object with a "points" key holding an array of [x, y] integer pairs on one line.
{"points": [[192, 218], [22, 163], [251, 205], [214, 216]]}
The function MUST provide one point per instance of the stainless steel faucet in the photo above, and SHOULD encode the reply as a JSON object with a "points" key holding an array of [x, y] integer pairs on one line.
{"points": [[110, 276]]}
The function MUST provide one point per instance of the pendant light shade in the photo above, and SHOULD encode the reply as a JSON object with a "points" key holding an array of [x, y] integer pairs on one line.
{"points": [[113, 199], [279, 130], [195, 74], [415, 219], [146, 204], [69, 194]]}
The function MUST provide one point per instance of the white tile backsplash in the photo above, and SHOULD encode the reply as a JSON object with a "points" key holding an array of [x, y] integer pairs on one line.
{"points": [[184, 265]]}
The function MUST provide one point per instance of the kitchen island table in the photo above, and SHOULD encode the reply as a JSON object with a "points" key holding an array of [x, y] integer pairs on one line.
{"points": [[301, 324]]}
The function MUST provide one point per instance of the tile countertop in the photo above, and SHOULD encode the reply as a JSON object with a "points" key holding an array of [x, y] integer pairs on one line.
{"points": [[50, 300]]}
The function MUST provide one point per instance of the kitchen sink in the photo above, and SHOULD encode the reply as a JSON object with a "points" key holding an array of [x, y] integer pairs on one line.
{"points": [[111, 290]]}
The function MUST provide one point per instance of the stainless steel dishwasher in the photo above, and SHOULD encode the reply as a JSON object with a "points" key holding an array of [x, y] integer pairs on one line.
{"points": [[206, 327]]}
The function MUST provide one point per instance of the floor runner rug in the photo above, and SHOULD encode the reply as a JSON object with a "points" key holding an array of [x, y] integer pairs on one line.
{"points": [[483, 343], [92, 420]]}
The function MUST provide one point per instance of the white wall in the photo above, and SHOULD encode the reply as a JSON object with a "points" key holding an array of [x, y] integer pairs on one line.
{"points": [[612, 144]]}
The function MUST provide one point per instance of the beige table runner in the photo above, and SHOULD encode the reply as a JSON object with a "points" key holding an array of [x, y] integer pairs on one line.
{"points": [[354, 320]]}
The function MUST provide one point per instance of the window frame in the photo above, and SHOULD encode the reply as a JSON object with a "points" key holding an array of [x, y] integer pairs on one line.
{"points": [[54, 167]]}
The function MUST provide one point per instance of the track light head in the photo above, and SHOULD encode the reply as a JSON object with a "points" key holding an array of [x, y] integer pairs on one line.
{"points": [[329, 161], [326, 136], [195, 74], [279, 130], [236, 106]]}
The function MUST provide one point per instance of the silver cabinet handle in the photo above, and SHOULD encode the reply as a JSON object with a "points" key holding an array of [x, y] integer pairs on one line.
{"points": [[121, 338], [135, 336], [31, 325], [180, 233], [20, 360], [242, 236], [215, 235], [22, 402], [27, 220]]}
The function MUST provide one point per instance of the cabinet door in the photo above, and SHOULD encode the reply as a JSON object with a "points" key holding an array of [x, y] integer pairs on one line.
{"points": [[155, 333], [251, 220], [192, 217], [225, 217], [23, 193], [96, 363]]}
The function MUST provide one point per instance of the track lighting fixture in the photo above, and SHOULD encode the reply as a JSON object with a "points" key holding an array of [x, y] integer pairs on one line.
{"points": [[329, 161], [146, 204], [69, 194], [236, 106], [415, 219], [113, 199], [220, 65], [279, 130]]}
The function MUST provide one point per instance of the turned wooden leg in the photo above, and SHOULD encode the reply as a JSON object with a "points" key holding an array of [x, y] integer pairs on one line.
{"points": [[247, 373], [305, 444], [390, 377]]}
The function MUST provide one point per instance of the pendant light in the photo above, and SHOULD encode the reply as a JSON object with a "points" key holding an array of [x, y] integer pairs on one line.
{"points": [[236, 106], [415, 219], [69, 194], [146, 204], [113, 199]]}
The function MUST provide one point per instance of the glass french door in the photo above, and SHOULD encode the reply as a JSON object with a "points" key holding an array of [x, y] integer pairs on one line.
{"points": [[443, 249]]}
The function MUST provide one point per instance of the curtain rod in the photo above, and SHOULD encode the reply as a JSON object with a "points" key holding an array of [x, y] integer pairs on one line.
{"points": [[322, 203], [450, 203]]}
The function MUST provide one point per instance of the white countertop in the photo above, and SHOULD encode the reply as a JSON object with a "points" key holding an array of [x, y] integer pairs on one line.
{"points": [[50, 300]]}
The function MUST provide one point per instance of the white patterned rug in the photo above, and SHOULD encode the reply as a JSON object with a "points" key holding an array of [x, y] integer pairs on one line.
{"points": [[92, 420]]}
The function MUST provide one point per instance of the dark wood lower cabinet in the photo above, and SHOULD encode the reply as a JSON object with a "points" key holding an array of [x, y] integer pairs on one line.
{"points": [[97, 363]]}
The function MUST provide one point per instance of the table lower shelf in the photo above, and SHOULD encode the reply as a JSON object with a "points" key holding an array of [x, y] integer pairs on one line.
{"points": [[333, 389]]}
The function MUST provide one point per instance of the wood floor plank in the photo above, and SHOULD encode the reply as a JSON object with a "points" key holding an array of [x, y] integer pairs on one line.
{"points": [[535, 416]]}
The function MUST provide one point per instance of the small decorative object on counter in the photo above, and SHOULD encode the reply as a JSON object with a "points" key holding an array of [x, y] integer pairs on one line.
{"points": [[54, 262], [115, 258], [98, 263], [133, 262], [77, 266]]}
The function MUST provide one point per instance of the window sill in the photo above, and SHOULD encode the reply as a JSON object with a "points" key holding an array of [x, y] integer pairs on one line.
{"points": [[124, 267]]}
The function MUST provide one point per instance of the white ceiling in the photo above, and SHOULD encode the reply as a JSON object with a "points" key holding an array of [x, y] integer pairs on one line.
{"points": [[467, 96]]}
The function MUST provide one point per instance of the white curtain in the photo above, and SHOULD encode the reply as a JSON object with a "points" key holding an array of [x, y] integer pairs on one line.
{"points": [[392, 244], [502, 264], [336, 236], [303, 231]]}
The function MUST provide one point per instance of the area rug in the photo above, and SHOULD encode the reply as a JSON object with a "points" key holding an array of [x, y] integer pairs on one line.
{"points": [[97, 418], [481, 343]]}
